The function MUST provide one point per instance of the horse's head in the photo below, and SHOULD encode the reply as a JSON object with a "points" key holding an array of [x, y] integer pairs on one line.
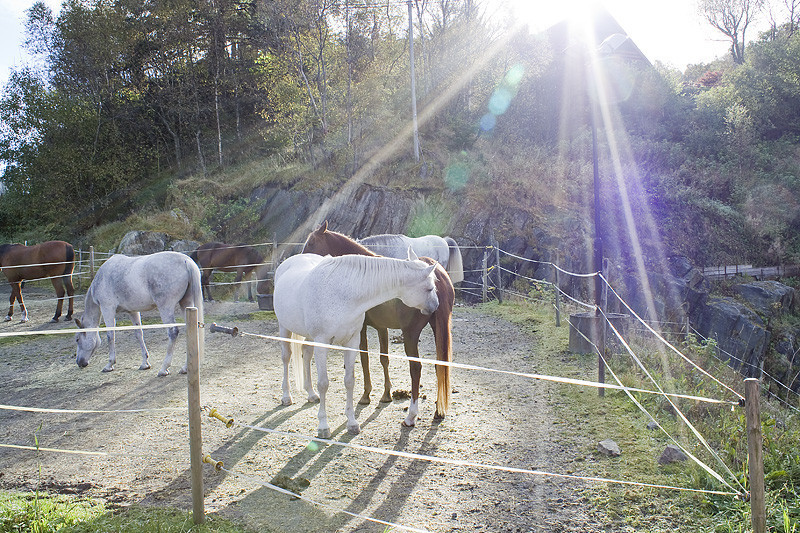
{"points": [[316, 243], [87, 342], [421, 293]]}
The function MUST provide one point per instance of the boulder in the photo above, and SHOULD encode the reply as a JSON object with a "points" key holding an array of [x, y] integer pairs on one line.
{"points": [[768, 298], [671, 454], [183, 245], [609, 447], [143, 243]]}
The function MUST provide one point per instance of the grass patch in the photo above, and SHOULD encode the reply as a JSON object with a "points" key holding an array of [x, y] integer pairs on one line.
{"points": [[46, 513], [584, 419]]}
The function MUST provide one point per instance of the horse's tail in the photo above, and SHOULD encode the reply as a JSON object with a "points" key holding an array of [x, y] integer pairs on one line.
{"points": [[444, 350], [69, 260], [455, 264], [296, 348]]}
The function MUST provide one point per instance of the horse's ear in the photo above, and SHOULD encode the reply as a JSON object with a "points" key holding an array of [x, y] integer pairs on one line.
{"points": [[430, 269], [322, 228], [411, 255]]}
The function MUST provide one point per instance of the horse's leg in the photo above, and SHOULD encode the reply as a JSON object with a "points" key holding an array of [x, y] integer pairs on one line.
{"points": [[250, 280], [136, 319], [286, 356], [349, 383], [321, 360], [411, 344], [205, 280], [172, 333], [59, 287], [365, 367], [110, 320], [14, 291], [236, 284], [383, 341], [308, 353], [22, 309], [70, 295]]}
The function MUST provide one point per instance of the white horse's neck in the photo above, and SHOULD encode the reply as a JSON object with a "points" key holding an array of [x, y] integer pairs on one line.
{"points": [[374, 279], [91, 310]]}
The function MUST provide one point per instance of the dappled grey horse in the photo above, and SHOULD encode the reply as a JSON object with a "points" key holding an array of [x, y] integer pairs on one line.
{"points": [[163, 281], [444, 250]]}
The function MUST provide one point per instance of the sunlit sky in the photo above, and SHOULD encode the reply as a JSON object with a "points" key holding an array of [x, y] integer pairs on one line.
{"points": [[670, 31]]}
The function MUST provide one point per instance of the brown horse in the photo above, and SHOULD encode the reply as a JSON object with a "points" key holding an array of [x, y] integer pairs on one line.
{"points": [[395, 315], [51, 259], [241, 259]]}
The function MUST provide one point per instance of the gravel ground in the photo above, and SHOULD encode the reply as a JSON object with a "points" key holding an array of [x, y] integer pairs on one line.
{"points": [[494, 419]]}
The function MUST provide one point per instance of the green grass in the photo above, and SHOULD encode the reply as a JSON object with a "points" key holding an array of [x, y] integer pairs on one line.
{"points": [[45, 513], [584, 418]]}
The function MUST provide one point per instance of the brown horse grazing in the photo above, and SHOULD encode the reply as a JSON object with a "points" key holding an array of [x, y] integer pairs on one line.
{"points": [[395, 315], [51, 259], [241, 259]]}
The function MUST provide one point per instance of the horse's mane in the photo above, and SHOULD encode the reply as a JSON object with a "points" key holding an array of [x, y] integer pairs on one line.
{"points": [[388, 239], [350, 243], [366, 271]]}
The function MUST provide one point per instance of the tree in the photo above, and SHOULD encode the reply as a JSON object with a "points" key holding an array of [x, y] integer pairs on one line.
{"points": [[732, 17]]}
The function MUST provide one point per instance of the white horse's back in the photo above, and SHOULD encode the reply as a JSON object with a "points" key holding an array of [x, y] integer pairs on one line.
{"points": [[163, 281], [444, 250]]}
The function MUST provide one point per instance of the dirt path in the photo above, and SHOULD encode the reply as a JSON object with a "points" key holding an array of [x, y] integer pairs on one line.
{"points": [[494, 419]]}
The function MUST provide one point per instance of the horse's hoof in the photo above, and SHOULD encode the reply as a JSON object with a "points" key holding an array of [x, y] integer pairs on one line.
{"points": [[183, 370], [286, 401], [407, 424], [364, 400], [68, 318], [144, 367], [24, 319], [386, 399], [8, 318], [313, 399], [354, 430], [324, 433], [54, 320], [108, 369], [163, 373]]}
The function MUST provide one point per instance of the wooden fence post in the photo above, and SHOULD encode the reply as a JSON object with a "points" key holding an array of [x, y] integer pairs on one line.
{"points": [[755, 458], [485, 275], [91, 264], [497, 266], [557, 288], [195, 421]]}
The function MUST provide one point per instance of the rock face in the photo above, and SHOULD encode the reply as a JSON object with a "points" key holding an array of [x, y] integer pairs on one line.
{"points": [[768, 298], [740, 333]]}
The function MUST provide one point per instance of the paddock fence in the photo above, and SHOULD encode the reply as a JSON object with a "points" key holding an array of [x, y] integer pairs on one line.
{"points": [[729, 483]]}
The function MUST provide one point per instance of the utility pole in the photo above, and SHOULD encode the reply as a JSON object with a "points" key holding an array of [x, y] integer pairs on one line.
{"points": [[413, 80]]}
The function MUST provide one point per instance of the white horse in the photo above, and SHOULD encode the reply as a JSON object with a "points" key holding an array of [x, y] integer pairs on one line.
{"points": [[444, 250], [325, 298], [163, 281]]}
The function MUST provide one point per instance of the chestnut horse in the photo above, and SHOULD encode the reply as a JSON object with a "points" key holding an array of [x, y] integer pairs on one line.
{"points": [[242, 259], [51, 259], [395, 315]]}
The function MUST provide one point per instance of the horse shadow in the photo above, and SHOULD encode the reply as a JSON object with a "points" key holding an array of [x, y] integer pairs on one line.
{"points": [[313, 460]]}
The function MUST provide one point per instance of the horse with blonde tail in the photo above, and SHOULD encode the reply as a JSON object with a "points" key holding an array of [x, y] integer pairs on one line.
{"points": [[395, 315], [325, 299]]}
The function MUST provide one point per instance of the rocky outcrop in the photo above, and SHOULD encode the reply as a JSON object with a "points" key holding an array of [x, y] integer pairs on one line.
{"points": [[740, 334], [148, 242], [768, 298]]}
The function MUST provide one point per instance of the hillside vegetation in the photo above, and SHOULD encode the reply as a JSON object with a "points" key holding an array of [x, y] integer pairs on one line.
{"points": [[135, 110]]}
